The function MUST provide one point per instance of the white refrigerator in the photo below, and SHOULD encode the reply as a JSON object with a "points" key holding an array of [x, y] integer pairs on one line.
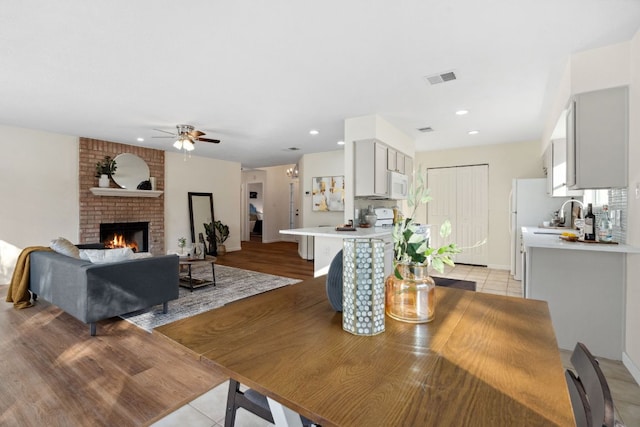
{"points": [[529, 205]]}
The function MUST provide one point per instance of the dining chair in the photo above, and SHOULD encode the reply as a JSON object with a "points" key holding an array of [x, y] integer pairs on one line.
{"points": [[579, 402], [590, 394], [252, 401]]}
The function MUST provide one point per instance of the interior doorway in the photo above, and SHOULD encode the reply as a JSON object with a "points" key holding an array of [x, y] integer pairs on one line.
{"points": [[255, 209]]}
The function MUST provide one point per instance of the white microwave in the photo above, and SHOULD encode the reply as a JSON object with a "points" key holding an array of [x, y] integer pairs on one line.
{"points": [[398, 186]]}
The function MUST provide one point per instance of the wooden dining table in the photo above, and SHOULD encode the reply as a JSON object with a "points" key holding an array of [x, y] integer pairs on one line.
{"points": [[486, 360]]}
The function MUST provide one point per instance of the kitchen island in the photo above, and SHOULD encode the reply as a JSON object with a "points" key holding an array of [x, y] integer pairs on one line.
{"points": [[328, 242], [584, 285]]}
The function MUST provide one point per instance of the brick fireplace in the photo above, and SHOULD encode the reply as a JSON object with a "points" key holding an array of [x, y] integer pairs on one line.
{"points": [[95, 210]]}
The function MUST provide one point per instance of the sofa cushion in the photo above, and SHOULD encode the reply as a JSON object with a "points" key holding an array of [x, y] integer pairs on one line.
{"points": [[65, 247], [99, 256]]}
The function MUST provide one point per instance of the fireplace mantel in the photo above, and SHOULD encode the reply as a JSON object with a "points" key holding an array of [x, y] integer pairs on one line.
{"points": [[123, 192]]}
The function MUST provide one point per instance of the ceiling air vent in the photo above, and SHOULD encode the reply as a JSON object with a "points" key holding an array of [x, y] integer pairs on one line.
{"points": [[426, 129], [441, 78]]}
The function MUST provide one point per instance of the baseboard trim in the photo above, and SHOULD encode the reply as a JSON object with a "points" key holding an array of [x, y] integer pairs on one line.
{"points": [[633, 369], [499, 267]]}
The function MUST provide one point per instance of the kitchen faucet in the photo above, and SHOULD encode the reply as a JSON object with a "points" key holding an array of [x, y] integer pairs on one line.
{"points": [[561, 213]]}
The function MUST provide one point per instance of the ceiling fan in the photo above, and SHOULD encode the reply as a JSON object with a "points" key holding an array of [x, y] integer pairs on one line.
{"points": [[185, 136]]}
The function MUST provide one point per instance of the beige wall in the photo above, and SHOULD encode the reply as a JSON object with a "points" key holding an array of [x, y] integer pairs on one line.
{"points": [[506, 162], [38, 191], [205, 175]]}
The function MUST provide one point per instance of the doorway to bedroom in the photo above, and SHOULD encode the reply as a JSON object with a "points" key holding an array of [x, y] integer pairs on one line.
{"points": [[256, 210]]}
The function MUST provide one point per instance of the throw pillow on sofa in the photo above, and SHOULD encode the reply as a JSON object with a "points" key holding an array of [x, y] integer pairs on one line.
{"points": [[65, 247], [100, 256]]}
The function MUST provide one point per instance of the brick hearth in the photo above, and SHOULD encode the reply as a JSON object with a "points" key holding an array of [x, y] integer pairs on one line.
{"points": [[96, 209]]}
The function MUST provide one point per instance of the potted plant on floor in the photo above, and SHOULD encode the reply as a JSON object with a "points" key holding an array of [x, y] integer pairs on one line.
{"points": [[211, 238], [222, 234]]}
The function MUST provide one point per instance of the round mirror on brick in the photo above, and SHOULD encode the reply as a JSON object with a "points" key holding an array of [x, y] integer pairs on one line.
{"points": [[131, 170]]}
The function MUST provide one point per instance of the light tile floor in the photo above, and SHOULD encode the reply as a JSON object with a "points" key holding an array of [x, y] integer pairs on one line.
{"points": [[208, 410]]}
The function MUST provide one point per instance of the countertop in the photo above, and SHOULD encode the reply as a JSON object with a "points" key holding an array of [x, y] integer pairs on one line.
{"points": [[536, 237], [373, 232]]}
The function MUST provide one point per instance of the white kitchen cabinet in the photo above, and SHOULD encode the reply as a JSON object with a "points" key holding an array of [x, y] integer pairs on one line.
{"points": [[396, 161], [371, 175], [597, 139], [556, 164], [584, 291]]}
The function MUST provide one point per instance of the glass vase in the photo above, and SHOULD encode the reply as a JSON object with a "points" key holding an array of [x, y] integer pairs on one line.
{"points": [[411, 298]]}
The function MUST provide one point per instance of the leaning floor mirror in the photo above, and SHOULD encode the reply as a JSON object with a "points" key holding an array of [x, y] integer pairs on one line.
{"points": [[201, 213]]}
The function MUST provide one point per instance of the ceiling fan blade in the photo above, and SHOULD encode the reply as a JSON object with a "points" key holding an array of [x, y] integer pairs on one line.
{"points": [[195, 133], [215, 141], [164, 131]]}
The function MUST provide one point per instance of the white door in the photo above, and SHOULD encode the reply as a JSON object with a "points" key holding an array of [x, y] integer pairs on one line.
{"points": [[461, 194]]}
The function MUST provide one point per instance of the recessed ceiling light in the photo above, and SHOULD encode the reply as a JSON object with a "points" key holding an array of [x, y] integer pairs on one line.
{"points": [[313, 132], [474, 132], [462, 112], [140, 139], [340, 142]]}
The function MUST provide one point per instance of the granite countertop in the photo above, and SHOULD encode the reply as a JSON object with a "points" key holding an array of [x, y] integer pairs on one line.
{"points": [[536, 237], [330, 231]]}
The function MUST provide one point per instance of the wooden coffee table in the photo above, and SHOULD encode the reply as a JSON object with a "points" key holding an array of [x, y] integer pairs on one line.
{"points": [[186, 280]]}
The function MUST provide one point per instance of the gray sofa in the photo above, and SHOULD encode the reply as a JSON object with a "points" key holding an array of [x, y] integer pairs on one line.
{"points": [[92, 292]]}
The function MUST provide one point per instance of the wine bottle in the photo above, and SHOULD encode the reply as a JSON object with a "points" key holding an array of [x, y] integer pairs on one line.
{"points": [[590, 224]]}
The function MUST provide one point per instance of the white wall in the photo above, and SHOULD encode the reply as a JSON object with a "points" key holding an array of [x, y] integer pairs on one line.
{"points": [[276, 204], [611, 66], [39, 192], [200, 174], [632, 332], [587, 71], [506, 161]]}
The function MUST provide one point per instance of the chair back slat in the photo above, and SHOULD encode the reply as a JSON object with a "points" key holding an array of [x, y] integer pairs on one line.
{"points": [[595, 386], [579, 402]]}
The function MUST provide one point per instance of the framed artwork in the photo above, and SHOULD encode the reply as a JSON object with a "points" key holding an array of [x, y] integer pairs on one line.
{"points": [[253, 194], [328, 193]]}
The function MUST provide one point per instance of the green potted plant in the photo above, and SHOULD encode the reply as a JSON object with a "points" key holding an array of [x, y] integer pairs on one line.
{"points": [[222, 234], [211, 238], [409, 290], [104, 170]]}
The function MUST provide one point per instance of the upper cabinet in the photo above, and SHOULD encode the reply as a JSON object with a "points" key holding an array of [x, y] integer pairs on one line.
{"points": [[597, 139], [556, 167], [373, 160], [370, 168]]}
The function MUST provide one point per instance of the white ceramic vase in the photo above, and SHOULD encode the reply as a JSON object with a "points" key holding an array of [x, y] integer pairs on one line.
{"points": [[103, 181]]}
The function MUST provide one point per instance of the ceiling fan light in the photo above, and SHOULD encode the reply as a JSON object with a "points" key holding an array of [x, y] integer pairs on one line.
{"points": [[188, 145], [178, 144]]}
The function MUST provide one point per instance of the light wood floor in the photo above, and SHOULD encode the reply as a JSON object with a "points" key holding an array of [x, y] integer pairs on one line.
{"points": [[52, 373], [279, 258]]}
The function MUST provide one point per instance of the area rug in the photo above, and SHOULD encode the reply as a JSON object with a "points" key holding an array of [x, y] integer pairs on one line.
{"points": [[232, 284], [455, 283]]}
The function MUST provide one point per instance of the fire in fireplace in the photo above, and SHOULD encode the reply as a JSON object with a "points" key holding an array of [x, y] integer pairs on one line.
{"points": [[134, 235]]}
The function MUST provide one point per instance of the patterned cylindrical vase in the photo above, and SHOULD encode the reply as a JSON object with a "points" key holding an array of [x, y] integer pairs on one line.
{"points": [[363, 286]]}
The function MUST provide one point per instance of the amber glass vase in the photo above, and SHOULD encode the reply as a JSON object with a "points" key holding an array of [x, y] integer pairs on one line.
{"points": [[412, 298]]}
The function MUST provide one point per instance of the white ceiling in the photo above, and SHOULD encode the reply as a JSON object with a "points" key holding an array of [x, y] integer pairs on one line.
{"points": [[260, 74]]}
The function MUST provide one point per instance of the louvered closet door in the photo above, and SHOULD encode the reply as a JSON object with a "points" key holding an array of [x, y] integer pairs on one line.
{"points": [[472, 215], [443, 189], [461, 195]]}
